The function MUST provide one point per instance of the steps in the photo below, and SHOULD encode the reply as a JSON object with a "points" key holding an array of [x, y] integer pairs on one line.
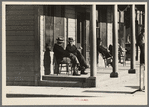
{"points": [[67, 81]]}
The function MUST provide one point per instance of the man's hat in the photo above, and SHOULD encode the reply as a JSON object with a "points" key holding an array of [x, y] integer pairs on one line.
{"points": [[60, 40], [70, 40]]}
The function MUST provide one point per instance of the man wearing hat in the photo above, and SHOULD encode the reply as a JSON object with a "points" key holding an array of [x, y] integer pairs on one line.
{"points": [[71, 48], [61, 54], [104, 51]]}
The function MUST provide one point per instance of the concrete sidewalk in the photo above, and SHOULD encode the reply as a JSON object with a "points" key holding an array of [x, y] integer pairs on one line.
{"points": [[121, 90]]}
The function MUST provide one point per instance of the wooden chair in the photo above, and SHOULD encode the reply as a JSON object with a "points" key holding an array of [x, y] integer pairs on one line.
{"points": [[59, 64], [122, 55], [106, 60]]}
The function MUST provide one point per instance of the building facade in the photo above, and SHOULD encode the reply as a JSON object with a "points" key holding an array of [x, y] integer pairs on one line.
{"points": [[30, 27]]}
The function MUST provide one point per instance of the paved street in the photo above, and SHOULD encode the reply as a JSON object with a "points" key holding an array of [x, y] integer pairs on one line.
{"points": [[121, 90]]}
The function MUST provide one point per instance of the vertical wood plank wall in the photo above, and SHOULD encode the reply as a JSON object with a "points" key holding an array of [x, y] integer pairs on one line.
{"points": [[71, 21], [20, 43]]}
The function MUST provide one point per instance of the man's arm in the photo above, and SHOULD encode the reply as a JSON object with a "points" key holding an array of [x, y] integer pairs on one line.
{"points": [[71, 49]]}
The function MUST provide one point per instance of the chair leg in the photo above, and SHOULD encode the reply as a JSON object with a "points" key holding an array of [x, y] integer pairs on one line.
{"points": [[60, 68], [57, 69], [67, 68], [71, 68], [124, 60], [105, 63]]}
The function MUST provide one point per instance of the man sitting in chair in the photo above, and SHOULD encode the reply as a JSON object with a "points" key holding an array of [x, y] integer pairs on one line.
{"points": [[71, 48], [104, 51], [63, 55]]}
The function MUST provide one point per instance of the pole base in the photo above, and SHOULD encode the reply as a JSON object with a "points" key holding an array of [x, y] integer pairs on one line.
{"points": [[132, 71], [141, 88], [114, 75]]}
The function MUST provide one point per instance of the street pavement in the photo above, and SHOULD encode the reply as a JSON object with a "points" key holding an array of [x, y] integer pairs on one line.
{"points": [[108, 91]]}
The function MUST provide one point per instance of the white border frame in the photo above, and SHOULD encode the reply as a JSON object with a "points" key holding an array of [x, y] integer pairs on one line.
{"points": [[66, 101]]}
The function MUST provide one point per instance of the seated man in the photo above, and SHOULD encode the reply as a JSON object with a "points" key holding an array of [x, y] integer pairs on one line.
{"points": [[104, 51], [60, 53], [71, 48]]}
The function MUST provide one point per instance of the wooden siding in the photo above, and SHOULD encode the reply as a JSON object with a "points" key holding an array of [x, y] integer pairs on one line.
{"points": [[20, 23], [20, 83], [20, 45], [70, 15]]}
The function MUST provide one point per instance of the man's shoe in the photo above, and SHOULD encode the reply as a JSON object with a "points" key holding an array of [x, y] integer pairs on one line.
{"points": [[76, 74], [82, 72], [81, 68]]}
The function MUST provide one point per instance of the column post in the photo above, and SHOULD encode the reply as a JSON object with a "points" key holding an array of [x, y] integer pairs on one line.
{"points": [[114, 74], [136, 24], [93, 49], [132, 27]]}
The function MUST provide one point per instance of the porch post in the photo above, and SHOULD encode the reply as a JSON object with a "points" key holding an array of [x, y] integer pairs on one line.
{"points": [[132, 27], [136, 24], [115, 44], [93, 46]]}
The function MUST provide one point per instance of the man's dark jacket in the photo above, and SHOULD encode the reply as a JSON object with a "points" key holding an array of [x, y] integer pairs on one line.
{"points": [[59, 52], [72, 49]]}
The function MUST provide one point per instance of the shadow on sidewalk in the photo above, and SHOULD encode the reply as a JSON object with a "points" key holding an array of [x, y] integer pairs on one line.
{"points": [[118, 92], [134, 87], [40, 95]]}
